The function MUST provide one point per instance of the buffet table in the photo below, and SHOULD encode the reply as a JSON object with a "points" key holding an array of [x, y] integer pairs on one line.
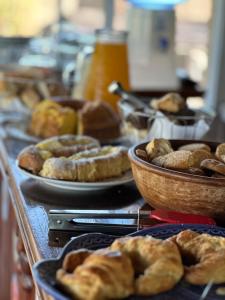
{"points": [[30, 202], [24, 210]]}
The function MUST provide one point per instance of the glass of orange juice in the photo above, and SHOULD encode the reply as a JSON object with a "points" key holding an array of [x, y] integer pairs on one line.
{"points": [[109, 62]]}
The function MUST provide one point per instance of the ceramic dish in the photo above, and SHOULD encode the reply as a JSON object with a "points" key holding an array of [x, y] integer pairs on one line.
{"points": [[175, 190], [80, 186], [44, 271]]}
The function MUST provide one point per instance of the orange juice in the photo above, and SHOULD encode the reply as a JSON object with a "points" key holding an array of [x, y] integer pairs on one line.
{"points": [[109, 62]]}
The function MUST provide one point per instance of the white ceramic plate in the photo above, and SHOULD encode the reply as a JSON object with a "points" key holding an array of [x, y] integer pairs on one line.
{"points": [[80, 186]]}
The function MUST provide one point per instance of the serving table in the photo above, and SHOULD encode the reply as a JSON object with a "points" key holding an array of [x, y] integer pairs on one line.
{"points": [[25, 204]]}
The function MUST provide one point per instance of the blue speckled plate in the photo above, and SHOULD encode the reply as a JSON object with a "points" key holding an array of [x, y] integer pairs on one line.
{"points": [[44, 271]]}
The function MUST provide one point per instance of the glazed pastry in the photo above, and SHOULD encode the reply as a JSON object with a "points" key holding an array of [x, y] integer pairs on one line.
{"points": [[195, 146], [171, 102], [213, 165], [32, 158], [102, 275], [206, 254], [177, 160], [97, 119], [220, 152], [158, 147], [157, 262], [88, 166]]}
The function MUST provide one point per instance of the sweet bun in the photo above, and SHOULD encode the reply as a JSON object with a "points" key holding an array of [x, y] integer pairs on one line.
{"points": [[97, 119], [200, 155]]}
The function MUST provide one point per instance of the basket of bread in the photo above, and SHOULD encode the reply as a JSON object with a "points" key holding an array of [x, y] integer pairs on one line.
{"points": [[181, 175]]}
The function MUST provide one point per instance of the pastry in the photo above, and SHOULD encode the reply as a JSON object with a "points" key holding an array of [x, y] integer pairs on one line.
{"points": [[206, 254], [158, 147], [102, 275], [97, 119], [32, 157], [171, 103], [142, 154], [177, 160], [158, 263], [88, 166], [50, 119], [195, 146], [220, 152], [213, 165], [199, 156]]}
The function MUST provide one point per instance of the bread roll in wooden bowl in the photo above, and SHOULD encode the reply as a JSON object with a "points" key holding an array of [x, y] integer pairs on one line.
{"points": [[174, 190]]}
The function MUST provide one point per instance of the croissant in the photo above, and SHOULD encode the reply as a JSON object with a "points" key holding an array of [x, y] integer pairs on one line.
{"points": [[205, 253], [102, 275], [158, 262]]}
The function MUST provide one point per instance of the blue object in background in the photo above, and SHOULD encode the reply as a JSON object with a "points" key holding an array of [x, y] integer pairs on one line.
{"points": [[156, 4]]}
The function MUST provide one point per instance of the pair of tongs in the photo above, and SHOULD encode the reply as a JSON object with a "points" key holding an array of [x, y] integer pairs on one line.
{"points": [[137, 104], [127, 220]]}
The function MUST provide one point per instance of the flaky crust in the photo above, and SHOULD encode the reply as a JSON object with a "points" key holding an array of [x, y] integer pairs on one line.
{"points": [[158, 262], [88, 166], [102, 275], [207, 254]]}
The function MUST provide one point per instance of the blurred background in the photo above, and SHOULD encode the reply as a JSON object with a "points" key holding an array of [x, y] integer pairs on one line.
{"points": [[30, 18]]}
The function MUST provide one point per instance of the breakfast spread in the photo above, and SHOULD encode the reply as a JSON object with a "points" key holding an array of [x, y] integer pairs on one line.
{"points": [[74, 158], [143, 265], [193, 158]]}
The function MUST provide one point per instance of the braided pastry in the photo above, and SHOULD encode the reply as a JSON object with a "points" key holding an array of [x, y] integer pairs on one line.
{"points": [[88, 166], [100, 275], [206, 254], [158, 262]]}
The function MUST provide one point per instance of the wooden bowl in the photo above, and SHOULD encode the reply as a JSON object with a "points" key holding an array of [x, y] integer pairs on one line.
{"points": [[172, 190]]}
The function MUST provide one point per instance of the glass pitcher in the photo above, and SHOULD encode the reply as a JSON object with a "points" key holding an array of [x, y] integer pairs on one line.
{"points": [[108, 62]]}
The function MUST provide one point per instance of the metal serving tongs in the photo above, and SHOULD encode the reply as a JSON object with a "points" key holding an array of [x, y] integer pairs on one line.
{"points": [[65, 224], [136, 103]]}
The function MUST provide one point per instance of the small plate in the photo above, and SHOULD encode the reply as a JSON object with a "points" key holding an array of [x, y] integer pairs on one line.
{"points": [[80, 186], [44, 271]]}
